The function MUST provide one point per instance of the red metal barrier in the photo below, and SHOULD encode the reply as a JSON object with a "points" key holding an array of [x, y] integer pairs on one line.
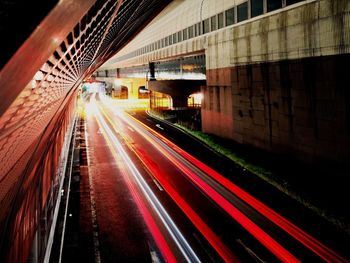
{"points": [[32, 198]]}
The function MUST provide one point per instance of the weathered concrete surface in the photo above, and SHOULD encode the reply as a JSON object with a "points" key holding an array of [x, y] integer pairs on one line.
{"points": [[317, 28], [293, 106], [287, 79]]}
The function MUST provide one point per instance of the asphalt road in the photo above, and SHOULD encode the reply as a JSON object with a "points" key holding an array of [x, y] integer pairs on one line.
{"points": [[155, 201]]}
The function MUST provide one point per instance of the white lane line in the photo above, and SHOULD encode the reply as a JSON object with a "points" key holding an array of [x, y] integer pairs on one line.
{"points": [[66, 147], [158, 185], [159, 127]]}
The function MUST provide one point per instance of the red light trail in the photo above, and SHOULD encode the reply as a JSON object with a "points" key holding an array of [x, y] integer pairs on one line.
{"points": [[217, 188], [317, 247]]}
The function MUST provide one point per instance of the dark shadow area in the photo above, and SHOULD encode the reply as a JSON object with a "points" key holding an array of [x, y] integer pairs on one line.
{"points": [[18, 19], [323, 184]]}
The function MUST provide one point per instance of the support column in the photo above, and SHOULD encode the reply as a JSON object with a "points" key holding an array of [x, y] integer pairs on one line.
{"points": [[152, 71]]}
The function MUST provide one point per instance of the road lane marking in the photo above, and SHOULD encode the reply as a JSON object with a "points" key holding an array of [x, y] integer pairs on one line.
{"points": [[159, 127], [157, 184], [250, 251]]}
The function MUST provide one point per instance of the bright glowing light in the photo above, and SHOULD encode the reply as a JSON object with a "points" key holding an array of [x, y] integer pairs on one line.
{"points": [[143, 91], [184, 75], [189, 67], [139, 104], [93, 87], [195, 99], [90, 109]]}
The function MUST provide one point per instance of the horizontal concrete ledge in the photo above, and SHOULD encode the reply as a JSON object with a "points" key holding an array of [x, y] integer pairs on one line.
{"points": [[179, 87]]}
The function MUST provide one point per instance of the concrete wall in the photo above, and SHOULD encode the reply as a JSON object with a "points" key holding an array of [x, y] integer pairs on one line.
{"points": [[310, 29], [294, 106], [281, 82]]}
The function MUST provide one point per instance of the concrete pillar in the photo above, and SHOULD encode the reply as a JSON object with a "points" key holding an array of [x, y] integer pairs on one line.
{"points": [[152, 71]]}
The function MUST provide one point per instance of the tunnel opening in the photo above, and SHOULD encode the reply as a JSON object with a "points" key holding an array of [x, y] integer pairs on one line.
{"points": [[160, 102], [195, 100], [185, 111]]}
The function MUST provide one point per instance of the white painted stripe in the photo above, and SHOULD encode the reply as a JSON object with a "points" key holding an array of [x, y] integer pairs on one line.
{"points": [[61, 174], [158, 185], [67, 202]]}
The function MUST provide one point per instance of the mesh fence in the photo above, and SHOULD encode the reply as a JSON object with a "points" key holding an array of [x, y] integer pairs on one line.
{"points": [[32, 128]]}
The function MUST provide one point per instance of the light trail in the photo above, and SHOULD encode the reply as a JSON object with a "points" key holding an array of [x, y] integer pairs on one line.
{"points": [[186, 250], [235, 213], [203, 228], [146, 215], [307, 240]]}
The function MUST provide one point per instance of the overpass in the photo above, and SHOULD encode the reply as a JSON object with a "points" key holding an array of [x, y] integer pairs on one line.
{"points": [[274, 70], [273, 75]]}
